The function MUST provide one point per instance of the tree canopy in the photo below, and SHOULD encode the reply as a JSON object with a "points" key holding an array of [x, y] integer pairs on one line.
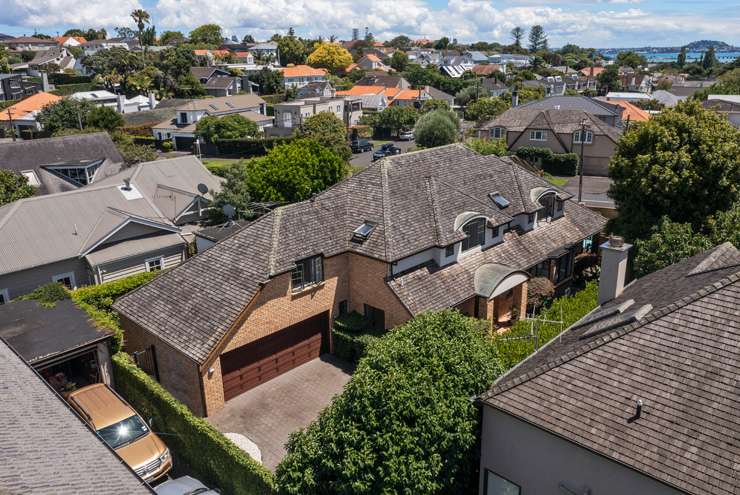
{"points": [[207, 34], [405, 422], [399, 61], [329, 56], [234, 126], [292, 50], [684, 164], [537, 38], [631, 59], [486, 108], [436, 128], [171, 38], [328, 130], [13, 186], [609, 79], [65, 114]]}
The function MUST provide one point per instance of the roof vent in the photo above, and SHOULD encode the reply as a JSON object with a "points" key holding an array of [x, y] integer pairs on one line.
{"points": [[638, 411], [361, 233], [126, 184]]}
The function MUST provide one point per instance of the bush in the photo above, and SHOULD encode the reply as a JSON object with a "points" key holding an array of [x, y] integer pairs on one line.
{"points": [[214, 459], [60, 78], [405, 422], [564, 164], [568, 308], [97, 302], [47, 295], [436, 128], [167, 145], [488, 146], [247, 148], [352, 335], [70, 89]]}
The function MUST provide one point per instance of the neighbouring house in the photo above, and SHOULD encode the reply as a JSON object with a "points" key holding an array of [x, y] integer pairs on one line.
{"points": [[439, 228], [511, 59], [321, 89], [94, 46], [551, 85], [70, 41], [292, 114], [592, 71], [206, 237], [218, 82], [425, 56], [60, 342], [559, 131], [486, 69], [666, 98], [630, 111], [383, 79], [639, 396], [688, 88], [120, 102], [477, 57], [211, 56], [181, 129], [42, 433], [608, 112], [56, 59], [728, 105], [634, 81], [453, 71], [16, 87], [493, 87], [371, 61], [29, 43], [299, 75], [266, 53], [243, 58], [374, 98], [60, 164], [128, 223], [417, 97], [627, 96], [22, 115]]}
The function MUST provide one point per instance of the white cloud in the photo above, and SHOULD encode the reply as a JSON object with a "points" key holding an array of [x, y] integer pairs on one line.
{"points": [[45, 13]]}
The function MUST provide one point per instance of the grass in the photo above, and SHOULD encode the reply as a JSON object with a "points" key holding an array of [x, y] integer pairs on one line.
{"points": [[555, 181], [214, 165]]}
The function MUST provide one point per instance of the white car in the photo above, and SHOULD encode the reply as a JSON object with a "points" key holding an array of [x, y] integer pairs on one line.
{"points": [[184, 485], [406, 136]]}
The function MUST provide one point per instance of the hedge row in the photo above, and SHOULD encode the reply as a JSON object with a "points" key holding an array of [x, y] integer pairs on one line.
{"points": [[352, 336], [97, 301], [247, 148], [64, 78], [214, 459], [569, 308], [553, 163], [69, 89]]}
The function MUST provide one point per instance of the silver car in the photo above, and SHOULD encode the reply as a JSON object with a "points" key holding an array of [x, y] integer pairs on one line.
{"points": [[184, 485], [406, 135]]}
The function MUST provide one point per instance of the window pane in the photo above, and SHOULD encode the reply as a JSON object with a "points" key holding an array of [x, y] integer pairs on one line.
{"points": [[296, 276], [476, 232], [496, 485]]}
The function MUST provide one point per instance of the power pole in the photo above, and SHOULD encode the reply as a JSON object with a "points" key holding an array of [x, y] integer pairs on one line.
{"points": [[580, 177], [10, 118]]}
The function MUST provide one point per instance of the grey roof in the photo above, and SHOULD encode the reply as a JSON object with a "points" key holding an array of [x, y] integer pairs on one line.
{"points": [[313, 89], [667, 98], [413, 198], [581, 103], [217, 233], [681, 359], [385, 80], [46, 56], [223, 104], [221, 82], [45, 229], [438, 94], [205, 72], [132, 247], [46, 448], [38, 333], [34, 154], [165, 111]]}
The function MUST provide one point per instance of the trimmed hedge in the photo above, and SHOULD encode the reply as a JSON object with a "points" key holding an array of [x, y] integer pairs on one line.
{"points": [[247, 148], [64, 78], [553, 163], [69, 89], [97, 301], [352, 336], [571, 308], [213, 458]]}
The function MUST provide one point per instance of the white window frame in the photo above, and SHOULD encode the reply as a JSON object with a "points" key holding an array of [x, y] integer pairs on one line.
{"points": [[70, 275], [533, 134], [5, 296], [155, 258], [577, 137], [498, 133]]}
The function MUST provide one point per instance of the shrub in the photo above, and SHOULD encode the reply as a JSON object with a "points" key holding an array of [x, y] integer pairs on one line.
{"points": [[47, 295], [568, 308], [488, 146], [352, 335], [213, 459], [167, 146], [97, 301], [436, 128], [247, 148], [405, 422], [553, 163]]}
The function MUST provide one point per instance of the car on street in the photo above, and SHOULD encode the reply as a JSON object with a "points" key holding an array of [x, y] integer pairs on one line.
{"points": [[185, 485], [361, 145], [387, 149], [121, 427], [406, 135]]}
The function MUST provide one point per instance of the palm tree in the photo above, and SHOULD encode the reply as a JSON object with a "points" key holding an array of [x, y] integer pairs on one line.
{"points": [[141, 18]]}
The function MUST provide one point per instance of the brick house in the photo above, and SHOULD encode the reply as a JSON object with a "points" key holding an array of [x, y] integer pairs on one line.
{"points": [[422, 231]]}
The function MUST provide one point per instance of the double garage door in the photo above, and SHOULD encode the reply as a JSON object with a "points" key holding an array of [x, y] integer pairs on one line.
{"points": [[253, 364]]}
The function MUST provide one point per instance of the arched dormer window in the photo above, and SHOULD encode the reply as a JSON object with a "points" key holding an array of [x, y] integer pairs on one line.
{"points": [[547, 201], [475, 230]]}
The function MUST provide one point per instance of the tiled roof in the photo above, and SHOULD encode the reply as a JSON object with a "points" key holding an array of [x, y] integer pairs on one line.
{"points": [[592, 71], [302, 71], [46, 448], [632, 112], [31, 104], [485, 69], [361, 90], [413, 198], [681, 360]]}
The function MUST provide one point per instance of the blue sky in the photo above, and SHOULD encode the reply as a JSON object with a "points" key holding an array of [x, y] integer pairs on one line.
{"points": [[599, 23]]}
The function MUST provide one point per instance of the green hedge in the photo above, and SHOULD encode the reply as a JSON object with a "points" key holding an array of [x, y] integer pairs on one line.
{"points": [[63, 78], [69, 89], [571, 308], [553, 163], [214, 459], [97, 301], [352, 336], [247, 148]]}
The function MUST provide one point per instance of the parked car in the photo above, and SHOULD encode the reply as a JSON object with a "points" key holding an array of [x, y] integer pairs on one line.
{"points": [[386, 150], [360, 145], [184, 486], [406, 135], [121, 427]]}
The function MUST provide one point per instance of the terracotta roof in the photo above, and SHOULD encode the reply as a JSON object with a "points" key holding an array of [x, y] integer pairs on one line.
{"points": [[351, 67], [592, 71], [681, 359], [215, 53], [63, 39], [403, 94], [373, 58], [302, 71], [632, 112], [32, 103], [361, 90], [486, 69], [413, 198]]}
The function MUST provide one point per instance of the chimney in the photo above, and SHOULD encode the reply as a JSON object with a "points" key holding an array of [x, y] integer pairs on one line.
{"points": [[515, 97], [119, 102], [45, 82], [152, 101], [614, 259]]}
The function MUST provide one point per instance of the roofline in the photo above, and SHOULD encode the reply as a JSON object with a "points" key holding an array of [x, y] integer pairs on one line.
{"points": [[131, 219], [106, 334]]}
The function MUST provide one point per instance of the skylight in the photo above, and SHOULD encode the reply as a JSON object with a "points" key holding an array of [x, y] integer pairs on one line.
{"points": [[362, 232], [500, 201]]}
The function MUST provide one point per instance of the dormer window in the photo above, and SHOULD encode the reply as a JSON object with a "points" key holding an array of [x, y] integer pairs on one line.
{"points": [[577, 137], [548, 203], [498, 133], [475, 230], [538, 135], [306, 273], [183, 117]]}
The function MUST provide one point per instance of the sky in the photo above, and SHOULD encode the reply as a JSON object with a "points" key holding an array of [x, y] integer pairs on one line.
{"points": [[591, 23]]}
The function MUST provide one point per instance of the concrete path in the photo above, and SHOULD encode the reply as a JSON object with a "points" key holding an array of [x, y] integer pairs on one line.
{"points": [[269, 413]]}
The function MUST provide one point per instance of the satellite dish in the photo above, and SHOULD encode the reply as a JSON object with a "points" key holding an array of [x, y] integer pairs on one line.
{"points": [[202, 188], [229, 211]]}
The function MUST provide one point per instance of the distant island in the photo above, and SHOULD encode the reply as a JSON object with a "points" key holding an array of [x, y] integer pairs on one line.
{"points": [[694, 51]]}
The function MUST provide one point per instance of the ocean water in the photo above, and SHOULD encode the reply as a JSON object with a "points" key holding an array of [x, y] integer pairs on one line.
{"points": [[723, 57]]}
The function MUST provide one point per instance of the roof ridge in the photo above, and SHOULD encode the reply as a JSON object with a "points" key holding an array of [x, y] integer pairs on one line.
{"points": [[384, 202], [431, 184], [278, 214], [611, 336]]}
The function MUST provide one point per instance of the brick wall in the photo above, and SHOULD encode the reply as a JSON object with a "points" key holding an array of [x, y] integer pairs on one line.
{"points": [[367, 286]]}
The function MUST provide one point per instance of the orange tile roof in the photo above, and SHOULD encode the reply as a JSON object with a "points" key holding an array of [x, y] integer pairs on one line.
{"points": [[63, 39], [631, 112], [586, 71], [351, 67], [30, 104], [391, 93], [302, 71], [407, 94], [485, 69], [242, 54], [201, 53], [372, 57], [361, 90], [215, 53]]}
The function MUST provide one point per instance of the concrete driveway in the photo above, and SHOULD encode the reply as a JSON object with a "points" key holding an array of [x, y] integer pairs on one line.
{"points": [[269, 413], [594, 191], [362, 160]]}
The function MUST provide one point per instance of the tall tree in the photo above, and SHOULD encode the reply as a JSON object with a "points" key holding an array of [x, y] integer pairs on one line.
{"points": [[248, 38], [171, 38], [537, 38], [207, 34], [436, 128], [684, 163], [328, 130], [709, 60], [234, 126], [443, 43], [400, 42], [517, 34], [681, 61], [609, 79], [329, 56], [13, 186], [399, 61], [291, 50], [141, 18], [631, 59]]}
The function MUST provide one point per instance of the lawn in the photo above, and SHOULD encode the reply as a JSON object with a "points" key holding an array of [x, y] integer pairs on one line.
{"points": [[556, 181], [215, 165]]}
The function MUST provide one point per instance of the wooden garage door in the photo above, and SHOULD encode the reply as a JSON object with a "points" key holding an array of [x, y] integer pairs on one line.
{"points": [[253, 364]]}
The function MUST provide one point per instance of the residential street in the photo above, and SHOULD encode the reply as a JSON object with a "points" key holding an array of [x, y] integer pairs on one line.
{"points": [[594, 190], [362, 160]]}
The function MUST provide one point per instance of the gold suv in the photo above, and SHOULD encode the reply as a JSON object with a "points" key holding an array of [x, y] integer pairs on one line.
{"points": [[119, 425]]}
